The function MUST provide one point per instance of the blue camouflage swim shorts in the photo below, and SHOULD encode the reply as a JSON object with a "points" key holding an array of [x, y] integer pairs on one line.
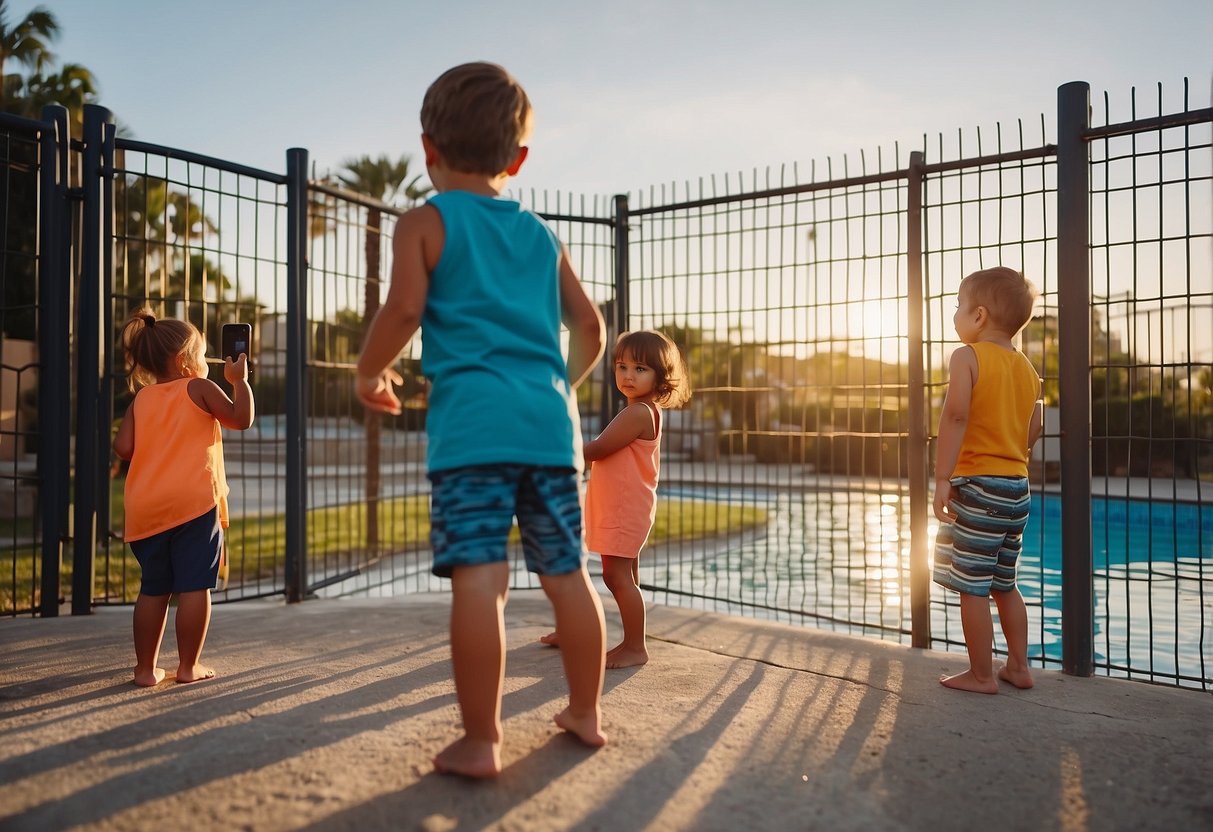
{"points": [[473, 508]]}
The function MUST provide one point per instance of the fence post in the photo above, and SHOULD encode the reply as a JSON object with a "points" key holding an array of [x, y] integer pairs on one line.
{"points": [[54, 395], [105, 344], [920, 567], [621, 262], [88, 362], [612, 398], [295, 568], [1074, 376]]}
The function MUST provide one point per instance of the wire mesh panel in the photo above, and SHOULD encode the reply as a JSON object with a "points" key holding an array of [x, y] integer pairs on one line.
{"points": [[787, 481], [368, 498], [20, 259], [784, 481], [995, 207], [1152, 390], [203, 241]]}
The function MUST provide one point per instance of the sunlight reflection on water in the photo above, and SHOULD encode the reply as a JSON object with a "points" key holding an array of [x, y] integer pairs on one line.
{"points": [[840, 560]]}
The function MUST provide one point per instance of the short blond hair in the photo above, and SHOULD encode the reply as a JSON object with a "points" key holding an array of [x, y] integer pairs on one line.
{"points": [[1006, 294], [478, 116]]}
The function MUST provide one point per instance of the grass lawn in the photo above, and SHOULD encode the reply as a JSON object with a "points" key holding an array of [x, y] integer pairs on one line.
{"points": [[257, 545]]}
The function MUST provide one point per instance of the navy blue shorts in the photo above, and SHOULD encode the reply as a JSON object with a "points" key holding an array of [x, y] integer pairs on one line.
{"points": [[473, 508], [184, 558]]}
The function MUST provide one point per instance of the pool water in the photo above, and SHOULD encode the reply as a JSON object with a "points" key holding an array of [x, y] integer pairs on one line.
{"points": [[841, 560], [1153, 574]]}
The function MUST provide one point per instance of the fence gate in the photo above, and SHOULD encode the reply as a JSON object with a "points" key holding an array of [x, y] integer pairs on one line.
{"points": [[816, 316]]}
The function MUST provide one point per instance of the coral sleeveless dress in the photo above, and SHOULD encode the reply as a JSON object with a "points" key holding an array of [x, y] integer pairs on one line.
{"points": [[621, 500]]}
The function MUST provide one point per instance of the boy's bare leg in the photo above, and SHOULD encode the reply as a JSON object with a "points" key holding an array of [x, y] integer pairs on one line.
{"points": [[552, 639], [622, 577], [478, 595], [151, 614], [193, 621], [1013, 616], [583, 639], [978, 626]]}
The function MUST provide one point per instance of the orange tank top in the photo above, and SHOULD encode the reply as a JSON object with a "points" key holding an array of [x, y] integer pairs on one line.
{"points": [[176, 471], [621, 500], [1000, 411]]}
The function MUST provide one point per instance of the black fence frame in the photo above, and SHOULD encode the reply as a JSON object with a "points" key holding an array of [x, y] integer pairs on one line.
{"points": [[85, 469], [50, 136]]}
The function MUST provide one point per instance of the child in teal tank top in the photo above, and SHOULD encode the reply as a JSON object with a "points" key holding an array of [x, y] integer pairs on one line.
{"points": [[489, 286]]}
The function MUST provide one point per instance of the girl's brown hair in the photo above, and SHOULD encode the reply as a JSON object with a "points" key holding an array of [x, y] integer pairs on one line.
{"points": [[653, 349], [152, 344]]}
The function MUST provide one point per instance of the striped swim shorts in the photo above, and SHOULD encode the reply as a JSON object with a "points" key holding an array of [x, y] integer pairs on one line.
{"points": [[979, 552]]}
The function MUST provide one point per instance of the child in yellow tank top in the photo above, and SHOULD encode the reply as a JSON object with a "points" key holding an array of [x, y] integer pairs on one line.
{"points": [[991, 418]]}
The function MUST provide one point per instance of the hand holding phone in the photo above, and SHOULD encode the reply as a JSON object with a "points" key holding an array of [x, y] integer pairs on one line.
{"points": [[238, 340]]}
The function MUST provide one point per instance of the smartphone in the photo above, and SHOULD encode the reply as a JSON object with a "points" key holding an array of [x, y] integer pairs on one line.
{"points": [[237, 339]]}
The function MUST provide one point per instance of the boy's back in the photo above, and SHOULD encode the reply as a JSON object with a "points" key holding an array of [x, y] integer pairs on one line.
{"points": [[491, 340], [489, 286], [1004, 398], [989, 421]]}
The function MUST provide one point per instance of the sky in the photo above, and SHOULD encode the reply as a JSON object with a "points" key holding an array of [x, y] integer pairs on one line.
{"points": [[628, 94]]}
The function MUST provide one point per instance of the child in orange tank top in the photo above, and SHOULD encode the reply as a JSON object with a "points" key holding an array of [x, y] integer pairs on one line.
{"points": [[624, 464], [176, 491]]}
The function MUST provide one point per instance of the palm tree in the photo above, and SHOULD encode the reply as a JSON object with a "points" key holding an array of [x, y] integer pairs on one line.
{"points": [[73, 86], [385, 180], [382, 179], [27, 41], [157, 227]]}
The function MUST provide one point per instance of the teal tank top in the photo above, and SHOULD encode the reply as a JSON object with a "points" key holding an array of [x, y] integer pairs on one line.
{"points": [[490, 341]]}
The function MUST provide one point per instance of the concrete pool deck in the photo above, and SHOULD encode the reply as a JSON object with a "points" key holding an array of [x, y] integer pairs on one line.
{"points": [[325, 714]]}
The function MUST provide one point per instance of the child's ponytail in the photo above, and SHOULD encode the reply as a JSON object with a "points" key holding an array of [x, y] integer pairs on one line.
{"points": [[150, 345]]}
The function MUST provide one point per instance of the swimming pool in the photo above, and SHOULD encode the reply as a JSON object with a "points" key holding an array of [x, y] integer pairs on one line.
{"points": [[840, 560], [1153, 577]]}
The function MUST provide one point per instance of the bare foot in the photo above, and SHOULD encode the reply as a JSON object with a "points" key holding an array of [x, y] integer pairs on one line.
{"points": [[621, 656], [551, 640], [470, 758], [967, 681], [1021, 679], [588, 729], [199, 673], [149, 679]]}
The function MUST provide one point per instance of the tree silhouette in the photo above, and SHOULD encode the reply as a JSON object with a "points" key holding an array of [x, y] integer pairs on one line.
{"points": [[27, 41]]}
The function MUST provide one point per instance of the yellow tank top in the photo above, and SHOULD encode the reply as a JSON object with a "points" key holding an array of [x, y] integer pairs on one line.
{"points": [[176, 471], [1000, 412]]}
